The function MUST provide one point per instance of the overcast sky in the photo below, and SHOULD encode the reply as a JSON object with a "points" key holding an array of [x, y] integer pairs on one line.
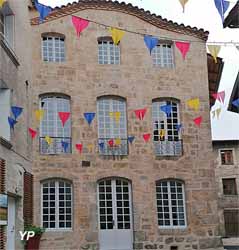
{"points": [[201, 14]]}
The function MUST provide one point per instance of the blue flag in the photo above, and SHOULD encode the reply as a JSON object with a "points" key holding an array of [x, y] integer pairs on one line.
{"points": [[236, 103], [101, 145], [222, 7], [16, 111], [166, 109], [65, 145], [89, 117], [11, 122], [150, 42], [131, 139], [179, 126], [43, 10]]}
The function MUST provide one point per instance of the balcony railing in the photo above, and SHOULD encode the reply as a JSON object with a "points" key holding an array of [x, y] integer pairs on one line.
{"points": [[168, 148], [120, 149], [56, 146]]}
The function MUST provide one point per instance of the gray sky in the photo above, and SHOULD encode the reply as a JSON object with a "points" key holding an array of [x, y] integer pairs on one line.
{"points": [[201, 14]]}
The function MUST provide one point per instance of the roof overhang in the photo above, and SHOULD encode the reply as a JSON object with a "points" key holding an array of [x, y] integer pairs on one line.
{"points": [[234, 96], [232, 20]]}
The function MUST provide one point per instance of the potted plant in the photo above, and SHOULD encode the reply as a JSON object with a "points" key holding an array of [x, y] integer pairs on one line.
{"points": [[33, 242]]}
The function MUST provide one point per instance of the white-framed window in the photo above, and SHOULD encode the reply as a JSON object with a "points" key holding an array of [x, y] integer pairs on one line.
{"points": [[108, 52], [162, 55], [171, 209], [53, 48], [56, 204], [109, 127], [226, 156], [51, 125]]}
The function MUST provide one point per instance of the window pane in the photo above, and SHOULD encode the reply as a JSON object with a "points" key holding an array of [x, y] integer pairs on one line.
{"points": [[108, 53]]}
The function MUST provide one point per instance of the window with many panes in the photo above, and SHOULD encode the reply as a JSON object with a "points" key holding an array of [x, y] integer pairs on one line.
{"points": [[229, 186], [53, 48], [170, 203], [51, 124], [108, 52], [112, 125], [56, 204], [162, 55], [226, 156]]}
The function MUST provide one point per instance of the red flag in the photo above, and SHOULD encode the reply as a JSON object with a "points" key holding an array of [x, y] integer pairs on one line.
{"points": [[111, 142], [64, 116], [198, 121], [183, 48], [140, 113], [220, 96], [79, 24], [146, 137], [32, 132], [79, 147]]}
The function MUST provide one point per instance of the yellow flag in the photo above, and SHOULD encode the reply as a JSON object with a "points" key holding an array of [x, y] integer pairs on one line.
{"points": [[162, 133], [90, 147], [117, 141], [214, 51], [48, 140], [39, 114], [116, 35], [2, 2], [183, 3], [218, 112], [111, 114], [117, 116], [194, 103]]}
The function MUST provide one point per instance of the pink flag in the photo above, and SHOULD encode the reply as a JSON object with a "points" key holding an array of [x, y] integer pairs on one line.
{"points": [[220, 96], [80, 24], [183, 48], [111, 142], [146, 137], [198, 121], [140, 113], [64, 116], [79, 147], [32, 132]]}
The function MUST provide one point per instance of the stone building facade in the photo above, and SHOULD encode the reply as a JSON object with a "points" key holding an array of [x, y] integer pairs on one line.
{"points": [[227, 178], [15, 80], [75, 78]]}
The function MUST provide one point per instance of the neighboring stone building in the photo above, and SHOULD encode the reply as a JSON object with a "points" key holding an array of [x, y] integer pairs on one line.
{"points": [[15, 78], [227, 176], [159, 194], [232, 20], [234, 96]]}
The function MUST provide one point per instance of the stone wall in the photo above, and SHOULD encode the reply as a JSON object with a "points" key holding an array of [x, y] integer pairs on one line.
{"points": [[139, 82]]}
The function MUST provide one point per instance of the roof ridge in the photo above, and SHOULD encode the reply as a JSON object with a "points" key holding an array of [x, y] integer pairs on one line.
{"points": [[146, 15]]}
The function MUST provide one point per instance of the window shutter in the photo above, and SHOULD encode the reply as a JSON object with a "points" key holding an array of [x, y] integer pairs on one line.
{"points": [[2, 190], [28, 199], [5, 96], [9, 30]]}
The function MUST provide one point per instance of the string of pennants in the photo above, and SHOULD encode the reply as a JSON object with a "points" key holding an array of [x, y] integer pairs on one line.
{"points": [[193, 104]]}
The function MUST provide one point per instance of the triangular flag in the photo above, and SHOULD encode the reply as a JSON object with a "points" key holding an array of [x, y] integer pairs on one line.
{"points": [[194, 103], [220, 96], [32, 132], [218, 111], [222, 7], [162, 133], [198, 121], [48, 140], [236, 103], [111, 114], [79, 24], [166, 109], [183, 48], [79, 147], [43, 10], [117, 116], [89, 117], [150, 42], [11, 122], [140, 113], [65, 145], [16, 111], [111, 142], [146, 137], [214, 51], [64, 116], [116, 35], [179, 127], [183, 3], [131, 139], [39, 114], [213, 114], [90, 147], [117, 141], [101, 145], [2, 2]]}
